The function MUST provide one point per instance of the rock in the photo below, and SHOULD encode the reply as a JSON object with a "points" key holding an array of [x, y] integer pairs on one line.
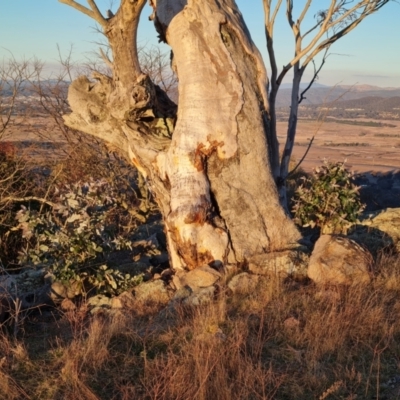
{"points": [[116, 303], [201, 296], [176, 283], [201, 277], [7, 284], [58, 292], [154, 292], [339, 260], [284, 263], [29, 287], [183, 293], [99, 303], [243, 283], [67, 305], [379, 229], [127, 300]]}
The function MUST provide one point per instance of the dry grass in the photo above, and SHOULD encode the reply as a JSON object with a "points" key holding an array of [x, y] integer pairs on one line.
{"points": [[287, 340]]}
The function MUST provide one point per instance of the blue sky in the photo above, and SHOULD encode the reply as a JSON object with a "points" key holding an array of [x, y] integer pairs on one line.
{"points": [[368, 55]]}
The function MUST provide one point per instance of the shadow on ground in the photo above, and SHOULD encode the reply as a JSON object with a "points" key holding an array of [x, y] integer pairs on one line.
{"points": [[379, 190]]}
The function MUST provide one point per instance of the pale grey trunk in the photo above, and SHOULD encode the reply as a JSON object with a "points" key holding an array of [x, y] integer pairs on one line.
{"points": [[212, 179]]}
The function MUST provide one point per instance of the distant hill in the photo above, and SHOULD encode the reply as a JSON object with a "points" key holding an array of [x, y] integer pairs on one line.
{"points": [[370, 103], [319, 95]]}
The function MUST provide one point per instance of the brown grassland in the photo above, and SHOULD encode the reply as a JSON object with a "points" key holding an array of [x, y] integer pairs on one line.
{"points": [[288, 339]]}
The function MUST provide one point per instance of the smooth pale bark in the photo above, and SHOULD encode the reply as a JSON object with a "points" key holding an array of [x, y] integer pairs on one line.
{"points": [[211, 177]]}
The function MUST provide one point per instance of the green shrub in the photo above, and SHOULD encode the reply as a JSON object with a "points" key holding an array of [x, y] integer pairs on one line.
{"points": [[71, 236], [329, 199]]}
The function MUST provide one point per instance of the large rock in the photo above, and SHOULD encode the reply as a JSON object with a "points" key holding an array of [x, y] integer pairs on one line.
{"points": [[379, 229], [338, 260]]}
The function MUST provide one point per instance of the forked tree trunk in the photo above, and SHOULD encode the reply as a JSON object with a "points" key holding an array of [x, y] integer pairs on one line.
{"points": [[211, 177]]}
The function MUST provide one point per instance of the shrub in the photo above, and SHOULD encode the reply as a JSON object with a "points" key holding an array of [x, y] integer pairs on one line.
{"points": [[328, 199], [74, 232]]}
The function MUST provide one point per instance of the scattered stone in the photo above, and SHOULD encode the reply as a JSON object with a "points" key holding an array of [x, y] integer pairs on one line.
{"points": [[243, 283], [339, 260], [67, 305], [116, 303], [201, 296], [154, 292], [99, 303], [283, 263], [58, 292], [183, 293], [201, 277]]}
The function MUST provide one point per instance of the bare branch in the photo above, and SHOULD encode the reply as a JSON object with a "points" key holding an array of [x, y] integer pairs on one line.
{"points": [[304, 12], [302, 158], [93, 13], [24, 199], [289, 12], [106, 59], [369, 7], [315, 76], [99, 16], [269, 22], [328, 42], [269, 32]]}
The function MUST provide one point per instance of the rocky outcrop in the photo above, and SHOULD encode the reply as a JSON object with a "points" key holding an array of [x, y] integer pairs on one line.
{"points": [[378, 230], [339, 260]]}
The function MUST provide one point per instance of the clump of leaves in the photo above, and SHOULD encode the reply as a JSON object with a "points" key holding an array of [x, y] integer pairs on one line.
{"points": [[75, 231], [328, 199], [16, 181]]}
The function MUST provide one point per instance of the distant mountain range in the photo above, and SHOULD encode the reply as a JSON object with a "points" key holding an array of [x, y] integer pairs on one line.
{"points": [[342, 100]]}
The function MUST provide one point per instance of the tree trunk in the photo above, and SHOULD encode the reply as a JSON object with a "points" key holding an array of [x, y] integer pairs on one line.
{"points": [[211, 177], [290, 136]]}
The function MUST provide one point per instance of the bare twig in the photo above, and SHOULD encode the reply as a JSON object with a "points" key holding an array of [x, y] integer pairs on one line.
{"points": [[315, 76]]}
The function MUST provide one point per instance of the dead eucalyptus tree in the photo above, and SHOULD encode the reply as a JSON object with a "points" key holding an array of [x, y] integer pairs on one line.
{"points": [[334, 20], [208, 161]]}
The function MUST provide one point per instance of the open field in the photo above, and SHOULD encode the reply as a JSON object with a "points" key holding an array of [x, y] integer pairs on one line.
{"points": [[366, 148]]}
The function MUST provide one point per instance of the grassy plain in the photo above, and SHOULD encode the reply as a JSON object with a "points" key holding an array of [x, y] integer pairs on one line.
{"points": [[287, 339], [366, 148]]}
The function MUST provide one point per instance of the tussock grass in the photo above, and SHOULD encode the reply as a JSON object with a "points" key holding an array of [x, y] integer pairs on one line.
{"points": [[286, 340]]}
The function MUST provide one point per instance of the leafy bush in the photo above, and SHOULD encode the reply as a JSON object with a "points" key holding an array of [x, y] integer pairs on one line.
{"points": [[72, 235], [328, 199], [16, 181]]}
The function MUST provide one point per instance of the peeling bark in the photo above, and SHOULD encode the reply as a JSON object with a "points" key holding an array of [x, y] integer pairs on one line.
{"points": [[206, 163]]}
